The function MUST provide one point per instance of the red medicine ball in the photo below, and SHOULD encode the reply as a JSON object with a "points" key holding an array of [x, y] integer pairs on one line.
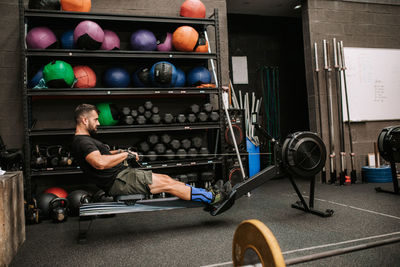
{"points": [[59, 192], [193, 9], [85, 76]]}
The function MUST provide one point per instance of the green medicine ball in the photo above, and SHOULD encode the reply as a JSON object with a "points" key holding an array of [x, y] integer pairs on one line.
{"points": [[109, 114], [58, 74]]}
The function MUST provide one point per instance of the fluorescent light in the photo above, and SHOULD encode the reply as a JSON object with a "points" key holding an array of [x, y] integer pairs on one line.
{"points": [[297, 7]]}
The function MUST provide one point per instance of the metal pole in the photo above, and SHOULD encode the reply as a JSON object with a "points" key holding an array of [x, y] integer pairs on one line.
{"points": [[212, 61], [323, 172], [353, 174], [332, 156], [341, 251], [343, 172]]}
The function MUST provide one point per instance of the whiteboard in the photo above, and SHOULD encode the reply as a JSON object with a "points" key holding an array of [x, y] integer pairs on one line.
{"points": [[373, 84]]}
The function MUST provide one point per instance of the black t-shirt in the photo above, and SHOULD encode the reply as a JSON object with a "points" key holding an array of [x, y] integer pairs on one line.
{"points": [[83, 145]]}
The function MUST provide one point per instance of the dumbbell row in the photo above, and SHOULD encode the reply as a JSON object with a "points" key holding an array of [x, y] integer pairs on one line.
{"points": [[181, 153]]}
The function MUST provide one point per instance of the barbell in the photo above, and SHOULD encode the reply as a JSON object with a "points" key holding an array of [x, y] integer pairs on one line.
{"points": [[254, 243]]}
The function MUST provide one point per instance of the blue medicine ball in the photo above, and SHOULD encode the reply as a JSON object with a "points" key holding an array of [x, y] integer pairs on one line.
{"points": [[163, 74], [117, 78], [35, 80], [181, 78], [198, 75], [67, 40]]}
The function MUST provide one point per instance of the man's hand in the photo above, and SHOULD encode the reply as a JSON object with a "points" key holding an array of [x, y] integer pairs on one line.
{"points": [[132, 155]]}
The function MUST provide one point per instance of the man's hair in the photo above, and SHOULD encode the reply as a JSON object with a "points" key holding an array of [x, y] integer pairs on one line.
{"points": [[84, 109]]}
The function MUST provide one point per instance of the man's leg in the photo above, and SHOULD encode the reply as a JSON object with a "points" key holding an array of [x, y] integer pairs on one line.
{"points": [[164, 183]]}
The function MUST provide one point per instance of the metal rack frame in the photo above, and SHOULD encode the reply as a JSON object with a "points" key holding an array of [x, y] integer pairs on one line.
{"points": [[30, 95]]}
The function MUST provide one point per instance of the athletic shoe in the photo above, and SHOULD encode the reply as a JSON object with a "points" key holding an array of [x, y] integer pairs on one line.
{"points": [[221, 192]]}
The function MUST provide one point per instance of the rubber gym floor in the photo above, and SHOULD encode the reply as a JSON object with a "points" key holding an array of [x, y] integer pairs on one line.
{"points": [[192, 237]]}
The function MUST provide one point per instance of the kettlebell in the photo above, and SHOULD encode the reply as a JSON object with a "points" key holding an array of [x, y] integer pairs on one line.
{"points": [[58, 209], [32, 213], [53, 155], [38, 161]]}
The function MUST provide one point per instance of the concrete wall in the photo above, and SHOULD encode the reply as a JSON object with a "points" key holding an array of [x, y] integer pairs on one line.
{"points": [[11, 116], [357, 25]]}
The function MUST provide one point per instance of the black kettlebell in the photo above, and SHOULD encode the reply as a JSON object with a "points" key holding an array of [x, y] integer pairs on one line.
{"points": [[59, 209], [38, 161], [32, 213], [53, 155]]}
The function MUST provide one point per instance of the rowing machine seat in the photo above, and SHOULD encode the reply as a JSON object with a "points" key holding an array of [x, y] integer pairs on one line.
{"points": [[129, 199]]}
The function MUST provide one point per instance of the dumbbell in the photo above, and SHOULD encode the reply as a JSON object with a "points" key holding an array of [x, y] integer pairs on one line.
{"points": [[186, 143], [175, 144], [181, 153], [151, 155], [169, 154], [197, 142], [165, 138], [181, 118], [144, 147], [207, 107], [191, 117], [160, 148], [194, 109], [202, 116], [154, 110], [192, 152], [214, 116], [183, 178], [155, 118], [152, 139], [128, 119], [141, 120], [192, 178], [141, 110], [168, 118], [147, 114], [207, 177], [204, 151], [126, 111], [134, 113], [148, 105]]}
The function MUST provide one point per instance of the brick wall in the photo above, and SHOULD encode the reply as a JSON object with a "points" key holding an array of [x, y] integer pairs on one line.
{"points": [[11, 116], [357, 25]]}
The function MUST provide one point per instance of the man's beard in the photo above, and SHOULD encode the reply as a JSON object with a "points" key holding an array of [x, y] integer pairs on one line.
{"points": [[92, 131]]}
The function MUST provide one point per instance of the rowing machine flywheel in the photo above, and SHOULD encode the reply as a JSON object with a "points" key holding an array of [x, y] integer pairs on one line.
{"points": [[303, 154], [389, 143]]}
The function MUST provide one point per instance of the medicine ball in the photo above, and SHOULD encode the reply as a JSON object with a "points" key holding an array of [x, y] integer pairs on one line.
{"points": [[108, 114], [143, 40], [111, 41], [41, 38], [185, 38], [67, 40], [58, 74], [88, 35], [202, 44], [180, 78], [116, 77], [58, 191], [141, 77], [164, 42], [44, 4], [76, 199], [43, 204], [193, 9], [86, 78], [36, 78], [76, 5], [198, 75], [163, 74]]}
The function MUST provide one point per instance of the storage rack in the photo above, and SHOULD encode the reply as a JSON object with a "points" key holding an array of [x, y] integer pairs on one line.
{"points": [[43, 17]]}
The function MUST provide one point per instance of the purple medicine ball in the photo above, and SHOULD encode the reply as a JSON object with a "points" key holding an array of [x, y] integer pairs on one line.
{"points": [[143, 40], [88, 35], [111, 41], [164, 42], [41, 38]]}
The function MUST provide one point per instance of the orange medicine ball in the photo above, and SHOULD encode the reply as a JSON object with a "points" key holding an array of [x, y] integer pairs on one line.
{"points": [[193, 9], [76, 5], [85, 76], [202, 44], [185, 38]]}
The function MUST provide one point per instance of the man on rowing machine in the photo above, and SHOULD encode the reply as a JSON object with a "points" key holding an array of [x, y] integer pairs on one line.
{"points": [[106, 169]]}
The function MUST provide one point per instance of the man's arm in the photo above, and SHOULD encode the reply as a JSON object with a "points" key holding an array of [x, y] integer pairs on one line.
{"points": [[101, 162]]}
